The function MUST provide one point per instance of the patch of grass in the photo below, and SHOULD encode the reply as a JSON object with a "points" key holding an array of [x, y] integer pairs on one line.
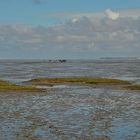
{"points": [[6, 86], [4, 83], [81, 80]]}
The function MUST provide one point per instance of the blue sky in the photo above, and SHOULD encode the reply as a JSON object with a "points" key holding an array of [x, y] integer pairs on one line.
{"points": [[27, 27], [31, 12]]}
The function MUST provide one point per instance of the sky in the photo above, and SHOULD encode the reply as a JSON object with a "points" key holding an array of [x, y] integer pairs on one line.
{"points": [[74, 29]]}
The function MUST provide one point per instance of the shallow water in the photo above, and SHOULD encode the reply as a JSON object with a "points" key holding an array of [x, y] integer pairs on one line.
{"points": [[21, 70], [70, 112]]}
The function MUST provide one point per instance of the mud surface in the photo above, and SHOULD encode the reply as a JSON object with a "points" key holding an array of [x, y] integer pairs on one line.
{"points": [[70, 113]]}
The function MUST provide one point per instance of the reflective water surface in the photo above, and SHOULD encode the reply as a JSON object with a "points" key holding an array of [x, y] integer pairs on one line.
{"points": [[21, 70]]}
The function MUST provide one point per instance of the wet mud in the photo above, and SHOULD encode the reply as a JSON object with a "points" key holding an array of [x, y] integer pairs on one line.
{"points": [[71, 113]]}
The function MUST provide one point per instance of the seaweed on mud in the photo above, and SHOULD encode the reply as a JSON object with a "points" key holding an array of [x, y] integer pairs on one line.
{"points": [[84, 80], [116, 83], [6, 86]]}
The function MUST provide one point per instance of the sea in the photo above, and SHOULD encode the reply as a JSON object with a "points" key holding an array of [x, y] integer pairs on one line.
{"points": [[71, 112], [22, 70]]}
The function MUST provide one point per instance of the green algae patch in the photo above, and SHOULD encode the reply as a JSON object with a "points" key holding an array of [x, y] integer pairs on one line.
{"points": [[6, 86], [80, 80], [5, 83]]}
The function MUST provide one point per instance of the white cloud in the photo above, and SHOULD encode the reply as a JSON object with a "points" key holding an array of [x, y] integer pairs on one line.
{"points": [[131, 13], [112, 15], [82, 33], [74, 19]]}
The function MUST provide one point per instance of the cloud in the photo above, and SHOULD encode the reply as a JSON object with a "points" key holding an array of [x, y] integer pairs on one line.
{"points": [[78, 34], [79, 31], [112, 15]]}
